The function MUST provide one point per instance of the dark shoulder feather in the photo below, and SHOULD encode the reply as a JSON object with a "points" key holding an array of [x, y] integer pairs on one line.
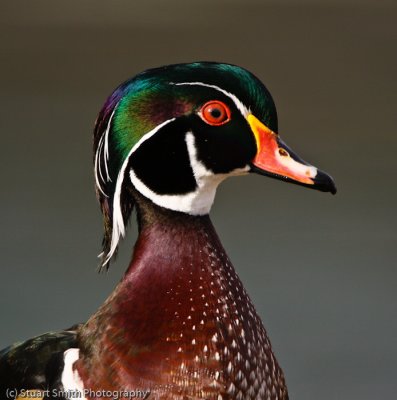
{"points": [[31, 364]]}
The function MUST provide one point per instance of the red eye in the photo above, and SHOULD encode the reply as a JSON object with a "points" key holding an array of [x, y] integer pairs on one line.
{"points": [[215, 113]]}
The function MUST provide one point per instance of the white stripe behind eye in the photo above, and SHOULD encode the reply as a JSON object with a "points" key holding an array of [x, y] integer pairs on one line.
{"points": [[240, 106]]}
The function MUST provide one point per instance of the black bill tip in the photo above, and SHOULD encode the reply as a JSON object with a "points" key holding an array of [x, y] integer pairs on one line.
{"points": [[324, 182]]}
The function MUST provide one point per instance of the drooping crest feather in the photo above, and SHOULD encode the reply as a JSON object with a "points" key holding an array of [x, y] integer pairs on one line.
{"points": [[104, 176]]}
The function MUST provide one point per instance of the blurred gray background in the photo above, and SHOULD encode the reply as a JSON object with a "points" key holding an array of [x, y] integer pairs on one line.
{"points": [[321, 269]]}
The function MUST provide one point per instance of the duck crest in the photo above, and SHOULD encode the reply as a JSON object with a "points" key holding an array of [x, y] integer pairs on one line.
{"points": [[183, 305]]}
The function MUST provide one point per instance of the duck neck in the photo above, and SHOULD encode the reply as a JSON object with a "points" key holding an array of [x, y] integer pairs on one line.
{"points": [[151, 217], [174, 280], [179, 312], [173, 249]]}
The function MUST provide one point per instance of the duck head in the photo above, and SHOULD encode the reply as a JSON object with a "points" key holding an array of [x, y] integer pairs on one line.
{"points": [[174, 133]]}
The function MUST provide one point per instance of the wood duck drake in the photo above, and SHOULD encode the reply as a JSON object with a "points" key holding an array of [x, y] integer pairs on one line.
{"points": [[180, 324]]}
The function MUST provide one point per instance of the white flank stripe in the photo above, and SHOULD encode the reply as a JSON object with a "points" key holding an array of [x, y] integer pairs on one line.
{"points": [[118, 228], [241, 107], [70, 379]]}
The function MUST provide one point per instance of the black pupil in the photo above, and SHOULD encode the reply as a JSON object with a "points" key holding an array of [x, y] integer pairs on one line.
{"points": [[216, 112]]}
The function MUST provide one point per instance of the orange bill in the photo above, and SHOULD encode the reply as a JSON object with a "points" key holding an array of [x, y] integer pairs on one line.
{"points": [[275, 159]]}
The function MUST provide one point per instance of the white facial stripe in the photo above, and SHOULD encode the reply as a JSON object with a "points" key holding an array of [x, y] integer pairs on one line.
{"points": [[240, 106], [70, 378], [199, 201], [118, 222], [200, 170], [194, 203]]}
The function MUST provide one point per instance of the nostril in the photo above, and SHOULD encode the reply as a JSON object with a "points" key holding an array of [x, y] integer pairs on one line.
{"points": [[283, 152]]}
